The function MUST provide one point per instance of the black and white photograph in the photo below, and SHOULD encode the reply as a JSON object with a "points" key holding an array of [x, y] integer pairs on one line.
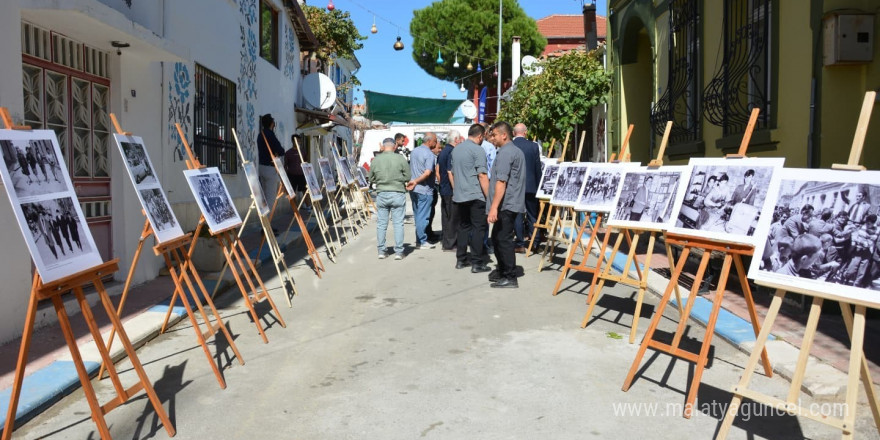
{"points": [[213, 198], [253, 180], [48, 213], [344, 171], [724, 198], [362, 179], [647, 197], [161, 216], [569, 183], [33, 166], [601, 186], [279, 167], [136, 160], [820, 233], [548, 180], [327, 174], [312, 181]]}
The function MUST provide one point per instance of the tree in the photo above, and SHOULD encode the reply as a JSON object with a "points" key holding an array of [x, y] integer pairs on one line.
{"points": [[337, 36], [470, 28], [563, 95]]}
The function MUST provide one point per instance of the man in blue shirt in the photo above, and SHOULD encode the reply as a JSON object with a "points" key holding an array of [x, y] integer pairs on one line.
{"points": [[421, 187], [448, 210]]}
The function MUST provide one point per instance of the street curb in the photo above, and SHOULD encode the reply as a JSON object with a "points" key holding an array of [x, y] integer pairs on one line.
{"points": [[44, 387]]}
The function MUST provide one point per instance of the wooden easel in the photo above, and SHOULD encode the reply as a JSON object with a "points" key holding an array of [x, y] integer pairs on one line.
{"points": [[564, 215], [237, 259], [543, 204], [333, 203], [53, 291], [594, 231], [267, 238], [641, 283], [733, 254], [318, 213], [855, 327], [177, 259]]}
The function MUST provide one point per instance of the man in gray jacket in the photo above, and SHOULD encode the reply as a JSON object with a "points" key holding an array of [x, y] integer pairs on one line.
{"points": [[390, 173]]}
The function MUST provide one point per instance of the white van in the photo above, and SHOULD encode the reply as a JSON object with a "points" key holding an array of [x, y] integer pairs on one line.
{"points": [[413, 132]]}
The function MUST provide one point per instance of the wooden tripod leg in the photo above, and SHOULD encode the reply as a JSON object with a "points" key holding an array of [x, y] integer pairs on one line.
{"points": [[21, 365], [753, 314], [132, 357], [797, 378], [671, 264], [230, 259], [683, 317], [552, 236], [658, 315], [85, 381], [262, 286], [759, 347], [633, 244], [310, 245], [99, 341], [596, 289], [537, 225], [856, 355], [707, 339], [643, 285], [187, 267], [571, 252], [598, 268], [867, 382]]}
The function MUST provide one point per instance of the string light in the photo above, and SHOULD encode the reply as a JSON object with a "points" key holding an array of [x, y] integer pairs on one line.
{"points": [[479, 68], [374, 29], [462, 86], [470, 66], [439, 57], [455, 65], [399, 44], [331, 6]]}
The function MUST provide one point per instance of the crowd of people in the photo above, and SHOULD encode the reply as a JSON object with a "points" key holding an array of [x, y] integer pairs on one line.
{"points": [[472, 194], [837, 246]]}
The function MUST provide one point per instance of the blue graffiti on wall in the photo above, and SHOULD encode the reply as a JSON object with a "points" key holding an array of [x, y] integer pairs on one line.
{"points": [[247, 79], [179, 106], [289, 52]]}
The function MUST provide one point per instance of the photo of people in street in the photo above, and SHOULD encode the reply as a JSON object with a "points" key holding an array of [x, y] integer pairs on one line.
{"points": [[327, 174], [823, 233], [344, 171], [569, 183], [138, 163], [725, 197], [312, 181], [161, 216], [548, 180], [56, 230], [213, 198], [33, 166], [647, 197], [601, 186]]}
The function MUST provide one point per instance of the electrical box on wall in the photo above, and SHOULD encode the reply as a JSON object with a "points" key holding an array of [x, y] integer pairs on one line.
{"points": [[849, 38]]}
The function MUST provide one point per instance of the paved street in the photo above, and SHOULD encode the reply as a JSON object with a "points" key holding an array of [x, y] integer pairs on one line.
{"points": [[384, 349]]}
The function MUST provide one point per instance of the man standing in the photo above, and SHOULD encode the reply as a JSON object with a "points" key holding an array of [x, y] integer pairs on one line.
{"points": [[640, 202], [267, 142], [421, 165], [390, 173], [507, 194], [470, 185], [857, 210], [524, 223], [448, 210]]}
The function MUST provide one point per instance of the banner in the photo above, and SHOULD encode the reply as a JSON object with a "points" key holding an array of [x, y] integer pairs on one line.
{"points": [[483, 104]]}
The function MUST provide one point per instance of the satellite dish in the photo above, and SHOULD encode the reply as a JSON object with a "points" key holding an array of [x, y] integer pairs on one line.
{"points": [[319, 91], [530, 67], [468, 109]]}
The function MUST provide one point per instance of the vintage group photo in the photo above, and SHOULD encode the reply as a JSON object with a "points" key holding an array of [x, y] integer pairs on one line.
{"points": [[724, 198], [138, 162], [647, 197], [569, 183], [161, 216], [34, 167], [56, 230], [600, 188], [823, 234], [548, 180], [213, 198], [312, 181], [327, 174]]}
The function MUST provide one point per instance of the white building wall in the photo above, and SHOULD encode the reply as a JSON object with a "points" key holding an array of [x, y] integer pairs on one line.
{"points": [[152, 87]]}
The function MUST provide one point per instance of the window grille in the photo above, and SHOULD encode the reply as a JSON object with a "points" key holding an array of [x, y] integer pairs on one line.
{"points": [[214, 120]]}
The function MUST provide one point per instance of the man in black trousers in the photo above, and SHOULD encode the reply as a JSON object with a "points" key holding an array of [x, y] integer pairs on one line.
{"points": [[507, 193], [470, 185], [525, 223]]}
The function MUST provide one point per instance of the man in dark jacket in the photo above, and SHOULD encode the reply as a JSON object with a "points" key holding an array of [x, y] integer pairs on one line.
{"points": [[525, 223], [266, 142]]}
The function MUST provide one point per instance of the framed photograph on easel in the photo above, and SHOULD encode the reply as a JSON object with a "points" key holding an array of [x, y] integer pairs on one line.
{"points": [[548, 179], [327, 174], [312, 181], [568, 184], [253, 180], [213, 198], [647, 197], [45, 204], [601, 186]]}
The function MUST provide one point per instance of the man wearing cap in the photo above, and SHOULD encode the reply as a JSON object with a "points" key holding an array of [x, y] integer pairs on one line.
{"points": [[266, 142], [390, 173]]}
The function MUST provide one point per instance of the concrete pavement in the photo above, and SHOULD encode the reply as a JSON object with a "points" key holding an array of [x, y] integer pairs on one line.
{"points": [[415, 348]]}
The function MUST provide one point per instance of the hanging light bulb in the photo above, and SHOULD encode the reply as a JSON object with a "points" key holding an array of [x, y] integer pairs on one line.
{"points": [[374, 29], [455, 65], [479, 67], [424, 54], [470, 66], [495, 73], [481, 78], [439, 57], [398, 45], [462, 87], [331, 6], [444, 93]]}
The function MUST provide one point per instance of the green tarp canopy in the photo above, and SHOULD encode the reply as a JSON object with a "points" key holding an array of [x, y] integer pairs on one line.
{"points": [[395, 108]]}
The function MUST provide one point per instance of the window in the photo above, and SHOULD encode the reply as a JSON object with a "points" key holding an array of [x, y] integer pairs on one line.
{"points": [[214, 120], [268, 33], [746, 77]]}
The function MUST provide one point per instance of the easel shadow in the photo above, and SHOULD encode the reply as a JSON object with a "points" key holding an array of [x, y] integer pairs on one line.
{"points": [[757, 420], [167, 388], [688, 344], [623, 306]]}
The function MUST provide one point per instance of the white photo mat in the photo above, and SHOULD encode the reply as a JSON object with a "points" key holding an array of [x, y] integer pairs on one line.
{"points": [[45, 204], [601, 186], [568, 184], [213, 198], [856, 276], [548, 179], [312, 181], [279, 167], [148, 188], [253, 180], [730, 209], [649, 206], [327, 174]]}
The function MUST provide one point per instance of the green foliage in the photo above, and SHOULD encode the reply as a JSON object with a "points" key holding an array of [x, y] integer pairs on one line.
{"points": [[563, 95], [337, 36], [470, 27]]}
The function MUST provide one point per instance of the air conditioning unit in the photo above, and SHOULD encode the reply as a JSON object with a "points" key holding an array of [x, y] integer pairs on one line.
{"points": [[849, 38]]}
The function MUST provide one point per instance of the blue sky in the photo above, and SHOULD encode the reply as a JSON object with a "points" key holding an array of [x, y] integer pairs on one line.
{"points": [[387, 71]]}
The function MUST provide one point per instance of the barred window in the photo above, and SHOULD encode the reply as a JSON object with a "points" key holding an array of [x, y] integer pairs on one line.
{"points": [[745, 79], [214, 121]]}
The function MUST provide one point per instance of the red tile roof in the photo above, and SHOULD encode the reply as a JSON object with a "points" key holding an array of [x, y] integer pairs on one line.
{"points": [[564, 26]]}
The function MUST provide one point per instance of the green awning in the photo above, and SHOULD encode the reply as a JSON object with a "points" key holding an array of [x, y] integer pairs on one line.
{"points": [[395, 108]]}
